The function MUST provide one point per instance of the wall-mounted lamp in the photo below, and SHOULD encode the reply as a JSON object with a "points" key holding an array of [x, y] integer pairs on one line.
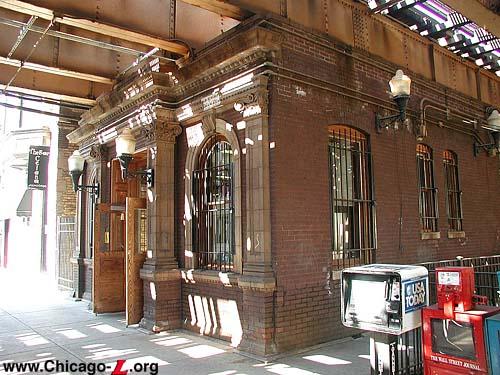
{"points": [[400, 92], [76, 163], [493, 125], [125, 148]]}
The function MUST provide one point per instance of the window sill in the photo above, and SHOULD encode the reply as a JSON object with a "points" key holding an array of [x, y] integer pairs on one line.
{"points": [[456, 234], [430, 235], [192, 276]]}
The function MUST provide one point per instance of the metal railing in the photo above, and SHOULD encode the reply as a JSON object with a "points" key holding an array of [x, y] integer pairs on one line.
{"points": [[485, 275], [410, 354]]}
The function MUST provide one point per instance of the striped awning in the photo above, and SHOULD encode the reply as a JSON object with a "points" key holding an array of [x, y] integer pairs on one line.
{"points": [[24, 207]]}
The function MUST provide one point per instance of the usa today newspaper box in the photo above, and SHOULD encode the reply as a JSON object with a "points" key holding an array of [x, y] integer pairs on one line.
{"points": [[385, 299]]}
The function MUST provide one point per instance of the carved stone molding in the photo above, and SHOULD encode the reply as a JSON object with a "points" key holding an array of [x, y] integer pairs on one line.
{"points": [[164, 128], [208, 123], [148, 132], [97, 152], [161, 131], [167, 131]]}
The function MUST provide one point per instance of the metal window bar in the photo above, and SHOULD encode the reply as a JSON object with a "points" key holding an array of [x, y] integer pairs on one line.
{"points": [[351, 197], [427, 191], [214, 213], [453, 192]]}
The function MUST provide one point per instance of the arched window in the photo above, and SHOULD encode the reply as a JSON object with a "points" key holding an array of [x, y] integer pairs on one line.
{"points": [[213, 234], [427, 189], [352, 200], [453, 192]]}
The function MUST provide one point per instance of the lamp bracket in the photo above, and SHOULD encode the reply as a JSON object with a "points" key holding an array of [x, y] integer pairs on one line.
{"points": [[93, 190], [147, 175], [382, 122], [492, 148]]}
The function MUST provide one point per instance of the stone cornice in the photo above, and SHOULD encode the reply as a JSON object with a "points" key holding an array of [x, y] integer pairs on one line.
{"points": [[241, 52]]}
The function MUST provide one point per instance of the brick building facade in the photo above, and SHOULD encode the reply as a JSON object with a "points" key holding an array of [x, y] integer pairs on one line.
{"points": [[291, 86]]}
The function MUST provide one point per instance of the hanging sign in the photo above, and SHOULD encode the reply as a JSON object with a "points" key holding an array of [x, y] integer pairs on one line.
{"points": [[38, 162]]}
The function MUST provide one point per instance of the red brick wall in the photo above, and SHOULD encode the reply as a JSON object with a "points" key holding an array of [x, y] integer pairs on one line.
{"points": [[305, 308], [308, 305], [212, 309]]}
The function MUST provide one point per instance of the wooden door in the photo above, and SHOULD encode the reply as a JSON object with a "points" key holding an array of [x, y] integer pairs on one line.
{"points": [[109, 259], [136, 254]]}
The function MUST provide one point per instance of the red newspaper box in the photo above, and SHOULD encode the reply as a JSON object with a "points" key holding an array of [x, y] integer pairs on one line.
{"points": [[456, 345], [455, 289]]}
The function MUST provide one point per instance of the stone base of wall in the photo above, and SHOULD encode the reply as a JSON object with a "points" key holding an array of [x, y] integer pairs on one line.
{"points": [[162, 304], [259, 323]]}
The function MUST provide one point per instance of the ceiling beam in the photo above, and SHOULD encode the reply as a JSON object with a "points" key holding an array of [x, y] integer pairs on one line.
{"points": [[94, 26], [50, 95], [478, 13], [221, 7], [386, 5], [56, 71]]}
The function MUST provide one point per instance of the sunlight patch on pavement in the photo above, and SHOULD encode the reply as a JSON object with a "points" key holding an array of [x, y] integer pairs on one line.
{"points": [[99, 349], [327, 360], [364, 356], [283, 369], [174, 341], [111, 353], [201, 351], [71, 333], [92, 346], [104, 328], [31, 339]]}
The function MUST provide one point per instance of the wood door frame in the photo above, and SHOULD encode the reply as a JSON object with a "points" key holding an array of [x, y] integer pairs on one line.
{"points": [[134, 293]]}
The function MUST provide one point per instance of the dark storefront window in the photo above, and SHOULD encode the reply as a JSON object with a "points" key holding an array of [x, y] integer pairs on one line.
{"points": [[453, 192], [214, 213], [352, 201], [427, 189]]}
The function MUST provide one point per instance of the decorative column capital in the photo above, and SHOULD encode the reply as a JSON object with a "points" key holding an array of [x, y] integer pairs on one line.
{"points": [[167, 131], [164, 128]]}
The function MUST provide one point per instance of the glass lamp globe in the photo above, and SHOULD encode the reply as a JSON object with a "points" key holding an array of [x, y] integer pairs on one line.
{"points": [[400, 84], [76, 162], [125, 143], [494, 121]]}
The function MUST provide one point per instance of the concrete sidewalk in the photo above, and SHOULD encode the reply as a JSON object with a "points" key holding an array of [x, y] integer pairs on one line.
{"points": [[40, 325]]}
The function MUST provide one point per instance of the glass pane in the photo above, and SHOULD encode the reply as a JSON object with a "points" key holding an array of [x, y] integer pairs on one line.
{"points": [[118, 231], [104, 231], [141, 230], [453, 338]]}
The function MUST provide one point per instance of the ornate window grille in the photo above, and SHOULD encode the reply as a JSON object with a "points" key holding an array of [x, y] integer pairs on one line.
{"points": [[453, 192], [427, 190], [352, 198], [214, 207]]}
